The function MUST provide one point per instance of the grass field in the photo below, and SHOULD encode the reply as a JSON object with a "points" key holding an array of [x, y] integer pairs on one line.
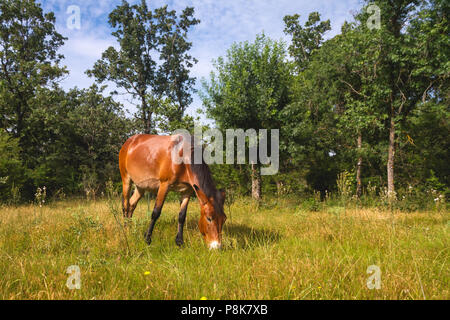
{"points": [[276, 251]]}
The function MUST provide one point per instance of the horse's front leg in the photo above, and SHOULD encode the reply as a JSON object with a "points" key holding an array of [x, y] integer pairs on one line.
{"points": [[160, 197], [182, 218]]}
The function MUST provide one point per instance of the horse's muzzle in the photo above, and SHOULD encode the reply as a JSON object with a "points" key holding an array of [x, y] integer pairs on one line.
{"points": [[214, 245]]}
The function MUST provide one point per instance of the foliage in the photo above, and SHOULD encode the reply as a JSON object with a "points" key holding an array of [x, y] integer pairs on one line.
{"points": [[370, 102], [29, 61], [305, 39], [373, 86], [153, 60], [250, 85], [249, 89], [344, 185], [12, 171]]}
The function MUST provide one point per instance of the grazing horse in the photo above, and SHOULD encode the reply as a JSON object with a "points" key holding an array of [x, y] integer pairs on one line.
{"points": [[147, 161]]}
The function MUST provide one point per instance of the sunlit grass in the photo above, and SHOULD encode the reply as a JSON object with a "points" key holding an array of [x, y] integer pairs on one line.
{"points": [[276, 251]]}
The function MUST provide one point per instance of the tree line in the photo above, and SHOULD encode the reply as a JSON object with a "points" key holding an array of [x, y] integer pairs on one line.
{"points": [[370, 105], [370, 102]]}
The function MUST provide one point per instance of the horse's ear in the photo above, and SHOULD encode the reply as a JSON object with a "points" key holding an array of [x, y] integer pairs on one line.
{"points": [[221, 196], [200, 195]]}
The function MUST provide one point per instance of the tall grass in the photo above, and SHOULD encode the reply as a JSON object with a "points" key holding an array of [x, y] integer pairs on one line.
{"points": [[280, 250]]}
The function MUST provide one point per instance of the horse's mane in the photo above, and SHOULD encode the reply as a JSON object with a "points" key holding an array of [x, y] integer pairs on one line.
{"points": [[201, 170], [204, 177]]}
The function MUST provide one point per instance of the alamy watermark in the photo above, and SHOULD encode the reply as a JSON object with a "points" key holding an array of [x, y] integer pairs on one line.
{"points": [[213, 153], [374, 281], [74, 20], [374, 21], [74, 279]]}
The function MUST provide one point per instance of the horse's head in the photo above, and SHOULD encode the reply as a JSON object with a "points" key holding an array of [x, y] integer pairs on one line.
{"points": [[212, 217]]}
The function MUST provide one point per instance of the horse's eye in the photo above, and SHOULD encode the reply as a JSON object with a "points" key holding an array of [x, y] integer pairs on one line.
{"points": [[209, 219]]}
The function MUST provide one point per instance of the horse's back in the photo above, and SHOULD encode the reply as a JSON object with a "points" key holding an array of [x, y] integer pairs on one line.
{"points": [[146, 159]]}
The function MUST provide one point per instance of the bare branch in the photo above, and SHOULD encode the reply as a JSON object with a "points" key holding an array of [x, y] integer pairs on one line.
{"points": [[353, 89]]}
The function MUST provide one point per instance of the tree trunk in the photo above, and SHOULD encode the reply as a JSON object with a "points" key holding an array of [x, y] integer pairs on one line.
{"points": [[358, 167], [146, 115], [148, 123], [256, 182], [391, 156]]}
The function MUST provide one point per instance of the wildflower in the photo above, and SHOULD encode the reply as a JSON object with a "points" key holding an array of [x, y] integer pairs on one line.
{"points": [[203, 298], [146, 273]]}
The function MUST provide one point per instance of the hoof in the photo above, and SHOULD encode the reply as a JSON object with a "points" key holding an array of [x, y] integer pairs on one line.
{"points": [[148, 238], [179, 241], [127, 222]]}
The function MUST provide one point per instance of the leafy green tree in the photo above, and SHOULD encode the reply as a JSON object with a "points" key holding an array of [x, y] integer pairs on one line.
{"points": [[309, 128], [141, 34], [305, 39], [173, 76], [29, 61], [167, 117], [394, 69], [424, 144], [308, 131], [97, 127], [404, 76], [12, 172], [352, 64], [357, 93], [82, 132], [29, 67], [249, 89], [429, 34]]}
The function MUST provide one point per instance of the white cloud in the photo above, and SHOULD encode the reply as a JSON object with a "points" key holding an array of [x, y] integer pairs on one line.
{"points": [[87, 48], [222, 23]]}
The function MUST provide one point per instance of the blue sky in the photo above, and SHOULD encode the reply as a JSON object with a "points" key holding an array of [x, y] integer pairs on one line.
{"points": [[222, 23]]}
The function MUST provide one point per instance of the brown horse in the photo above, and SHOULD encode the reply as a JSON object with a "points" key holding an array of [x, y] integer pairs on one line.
{"points": [[147, 161]]}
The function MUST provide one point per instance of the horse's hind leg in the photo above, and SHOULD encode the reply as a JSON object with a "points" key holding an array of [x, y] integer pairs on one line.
{"points": [[137, 195], [182, 218], [126, 186], [161, 196]]}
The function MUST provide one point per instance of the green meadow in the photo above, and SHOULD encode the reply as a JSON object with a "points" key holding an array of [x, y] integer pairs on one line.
{"points": [[276, 250]]}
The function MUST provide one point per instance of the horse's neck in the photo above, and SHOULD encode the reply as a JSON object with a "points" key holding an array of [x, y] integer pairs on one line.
{"points": [[193, 178], [201, 177], [190, 177]]}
